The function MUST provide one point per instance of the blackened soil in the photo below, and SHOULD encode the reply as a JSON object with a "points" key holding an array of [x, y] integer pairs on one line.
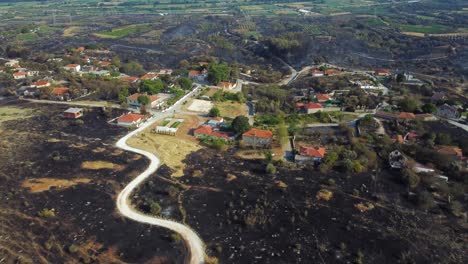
{"points": [[253, 220], [86, 227]]}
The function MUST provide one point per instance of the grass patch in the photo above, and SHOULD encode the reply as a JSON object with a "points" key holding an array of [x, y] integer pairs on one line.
{"points": [[121, 32], [99, 165], [231, 109], [12, 113], [175, 124], [44, 184], [27, 37]]}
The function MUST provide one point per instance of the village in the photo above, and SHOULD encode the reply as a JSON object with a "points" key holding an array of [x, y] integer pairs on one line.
{"points": [[228, 115]]}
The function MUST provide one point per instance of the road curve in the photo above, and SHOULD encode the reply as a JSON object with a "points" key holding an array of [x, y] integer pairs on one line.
{"points": [[192, 241]]}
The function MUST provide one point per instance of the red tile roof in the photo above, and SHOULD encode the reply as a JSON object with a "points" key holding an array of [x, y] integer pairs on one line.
{"points": [[399, 139], [208, 131], [382, 72], [72, 65], [60, 90], [315, 72], [225, 84], [129, 118], [313, 106], [322, 97], [259, 133], [41, 83], [135, 96], [411, 136], [104, 63], [312, 151], [332, 72], [406, 115], [80, 49]]}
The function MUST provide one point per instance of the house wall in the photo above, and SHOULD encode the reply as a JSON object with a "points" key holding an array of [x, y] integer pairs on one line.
{"points": [[256, 142]]}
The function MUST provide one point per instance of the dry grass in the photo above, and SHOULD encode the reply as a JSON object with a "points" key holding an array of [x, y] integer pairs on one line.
{"points": [[324, 194], [11, 113], [172, 150], [231, 109], [44, 184], [100, 164], [364, 207], [72, 31]]}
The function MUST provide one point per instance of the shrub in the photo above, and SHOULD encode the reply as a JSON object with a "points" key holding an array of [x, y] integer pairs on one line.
{"points": [[154, 207], [270, 168], [324, 194], [175, 238], [79, 122], [47, 213], [410, 178]]}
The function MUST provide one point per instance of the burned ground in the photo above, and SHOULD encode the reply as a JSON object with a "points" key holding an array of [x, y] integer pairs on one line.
{"points": [[76, 223], [247, 216]]}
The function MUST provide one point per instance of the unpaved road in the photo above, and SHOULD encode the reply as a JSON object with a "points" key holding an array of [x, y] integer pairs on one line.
{"points": [[192, 241]]}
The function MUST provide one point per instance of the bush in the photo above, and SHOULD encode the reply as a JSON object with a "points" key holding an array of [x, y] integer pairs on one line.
{"points": [[175, 238], [154, 207], [270, 168], [47, 213], [79, 122], [425, 200]]}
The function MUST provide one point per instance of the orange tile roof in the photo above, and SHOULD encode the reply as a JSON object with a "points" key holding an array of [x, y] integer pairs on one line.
{"points": [[312, 151], [406, 115], [450, 150], [19, 74], [104, 63], [41, 83], [204, 130], [399, 138], [322, 97], [129, 79], [382, 72], [60, 90], [313, 106], [259, 133], [317, 72], [194, 72], [129, 118], [148, 76], [80, 49], [72, 65], [332, 72]]}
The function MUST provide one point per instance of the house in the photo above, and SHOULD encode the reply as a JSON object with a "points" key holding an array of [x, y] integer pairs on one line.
{"points": [[406, 116], [215, 121], [12, 64], [149, 76], [60, 93], [28, 91], [226, 85], [198, 75], [130, 120], [448, 111], [130, 79], [40, 84], [317, 73], [309, 154], [164, 72], [451, 151], [19, 75], [437, 97], [257, 138], [104, 63], [322, 97], [72, 67], [73, 113], [382, 72], [312, 107], [331, 72], [80, 49], [426, 117], [206, 131], [154, 101]]}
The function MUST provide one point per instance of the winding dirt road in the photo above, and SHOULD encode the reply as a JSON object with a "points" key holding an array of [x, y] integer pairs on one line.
{"points": [[192, 241]]}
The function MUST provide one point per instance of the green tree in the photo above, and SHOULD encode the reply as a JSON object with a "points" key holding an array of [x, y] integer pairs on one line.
{"points": [[409, 105], [133, 68], [185, 83], [270, 168], [219, 73], [283, 133], [143, 99], [429, 108], [152, 86], [214, 112], [443, 139], [240, 124]]}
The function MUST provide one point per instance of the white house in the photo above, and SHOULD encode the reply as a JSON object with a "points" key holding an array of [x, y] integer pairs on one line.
{"points": [[19, 75], [198, 75], [129, 120], [72, 67], [154, 101]]}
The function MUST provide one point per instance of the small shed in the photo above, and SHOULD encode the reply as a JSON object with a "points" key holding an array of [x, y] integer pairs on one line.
{"points": [[73, 113]]}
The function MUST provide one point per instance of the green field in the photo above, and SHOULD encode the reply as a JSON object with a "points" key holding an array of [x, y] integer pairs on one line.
{"points": [[121, 32]]}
